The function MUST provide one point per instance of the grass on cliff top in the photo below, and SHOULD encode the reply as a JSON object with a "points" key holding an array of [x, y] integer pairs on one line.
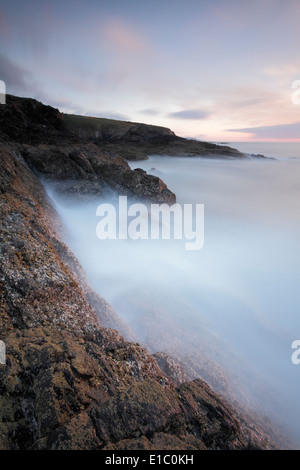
{"points": [[75, 122]]}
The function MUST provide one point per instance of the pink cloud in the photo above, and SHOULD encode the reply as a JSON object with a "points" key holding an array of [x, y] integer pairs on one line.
{"points": [[123, 39]]}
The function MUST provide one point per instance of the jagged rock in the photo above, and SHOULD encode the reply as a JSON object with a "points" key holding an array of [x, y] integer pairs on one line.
{"points": [[26, 120], [84, 172], [171, 368]]}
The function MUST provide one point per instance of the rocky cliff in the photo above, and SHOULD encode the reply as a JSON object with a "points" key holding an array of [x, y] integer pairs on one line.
{"points": [[71, 381], [135, 141], [25, 120], [76, 166]]}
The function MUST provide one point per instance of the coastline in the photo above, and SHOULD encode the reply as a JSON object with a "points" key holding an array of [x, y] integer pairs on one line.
{"points": [[69, 379]]}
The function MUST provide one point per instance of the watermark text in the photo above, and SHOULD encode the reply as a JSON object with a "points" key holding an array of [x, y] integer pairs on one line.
{"points": [[159, 221], [2, 352], [296, 354], [2, 92], [296, 93]]}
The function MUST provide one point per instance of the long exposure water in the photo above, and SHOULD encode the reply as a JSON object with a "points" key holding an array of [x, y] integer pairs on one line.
{"points": [[241, 291]]}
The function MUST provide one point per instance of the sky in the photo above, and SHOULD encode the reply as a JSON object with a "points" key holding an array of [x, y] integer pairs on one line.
{"points": [[217, 70]]}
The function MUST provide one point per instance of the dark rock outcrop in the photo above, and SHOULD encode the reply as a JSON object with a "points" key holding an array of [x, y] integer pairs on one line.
{"points": [[26, 120], [84, 172], [137, 141], [78, 167]]}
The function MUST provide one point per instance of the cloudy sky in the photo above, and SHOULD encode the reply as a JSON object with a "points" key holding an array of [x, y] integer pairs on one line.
{"points": [[210, 69]]}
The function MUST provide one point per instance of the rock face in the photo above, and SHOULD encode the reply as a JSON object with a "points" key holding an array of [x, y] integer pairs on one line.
{"points": [[25, 120], [109, 130], [84, 172], [77, 167], [70, 381], [137, 141]]}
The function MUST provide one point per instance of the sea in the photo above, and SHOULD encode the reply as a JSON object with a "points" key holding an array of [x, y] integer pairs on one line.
{"points": [[237, 299]]}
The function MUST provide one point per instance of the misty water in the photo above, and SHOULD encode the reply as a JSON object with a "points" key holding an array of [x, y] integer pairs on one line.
{"points": [[236, 301]]}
